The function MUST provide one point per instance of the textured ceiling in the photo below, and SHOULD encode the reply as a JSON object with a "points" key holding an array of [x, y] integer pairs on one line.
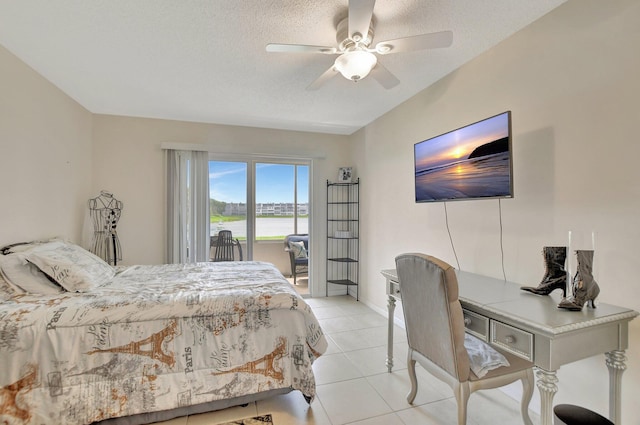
{"points": [[205, 60]]}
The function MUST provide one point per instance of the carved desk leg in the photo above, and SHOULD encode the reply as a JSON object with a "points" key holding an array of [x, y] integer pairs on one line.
{"points": [[391, 307], [546, 383], [616, 364]]}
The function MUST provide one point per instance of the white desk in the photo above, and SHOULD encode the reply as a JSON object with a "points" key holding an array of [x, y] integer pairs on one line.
{"points": [[532, 327]]}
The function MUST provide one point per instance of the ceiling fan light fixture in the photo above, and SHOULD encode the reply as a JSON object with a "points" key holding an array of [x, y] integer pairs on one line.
{"points": [[383, 48], [356, 64]]}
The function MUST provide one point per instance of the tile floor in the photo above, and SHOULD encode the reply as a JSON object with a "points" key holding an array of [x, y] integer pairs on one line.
{"points": [[301, 286], [354, 387]]}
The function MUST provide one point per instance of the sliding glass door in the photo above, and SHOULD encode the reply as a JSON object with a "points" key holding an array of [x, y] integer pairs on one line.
{"points": [[282, 200], [228, 203], [259, 201]]}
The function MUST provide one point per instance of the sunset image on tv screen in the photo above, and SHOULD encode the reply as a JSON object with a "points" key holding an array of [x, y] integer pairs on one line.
{"points": [[470, 162]]}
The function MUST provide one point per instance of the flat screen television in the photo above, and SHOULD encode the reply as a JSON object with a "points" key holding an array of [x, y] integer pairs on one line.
{"points": [[472, 162]]}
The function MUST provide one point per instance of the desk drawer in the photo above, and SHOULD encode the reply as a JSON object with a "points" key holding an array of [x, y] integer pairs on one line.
{"points": [[394, 289], [476, 324], [513, 340]]}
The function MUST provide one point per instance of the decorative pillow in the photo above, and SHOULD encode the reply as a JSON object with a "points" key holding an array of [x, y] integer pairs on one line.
{"points": [[25, 246], [482, 356], [8, 249], [72, 267], [6, 291], [298, 249], [25, 277]]}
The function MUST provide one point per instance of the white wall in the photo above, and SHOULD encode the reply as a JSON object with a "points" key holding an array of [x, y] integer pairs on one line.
{"points": [[129, 162], [571, 81], [45, 157], [55, 155]]}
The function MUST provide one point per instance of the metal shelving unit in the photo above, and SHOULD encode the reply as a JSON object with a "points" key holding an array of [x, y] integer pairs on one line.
{"points": [[343, 234]]}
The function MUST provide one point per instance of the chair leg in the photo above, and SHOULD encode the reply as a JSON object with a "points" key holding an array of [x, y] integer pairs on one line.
{"points": [[462, 392], [411, 368], [527, 394]]}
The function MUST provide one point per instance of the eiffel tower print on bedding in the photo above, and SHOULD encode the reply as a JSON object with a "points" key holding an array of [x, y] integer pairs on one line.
{"points": [[152, 339]]}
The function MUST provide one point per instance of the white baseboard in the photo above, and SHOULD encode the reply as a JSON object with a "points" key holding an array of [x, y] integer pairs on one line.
{"points": [[384, 312]]}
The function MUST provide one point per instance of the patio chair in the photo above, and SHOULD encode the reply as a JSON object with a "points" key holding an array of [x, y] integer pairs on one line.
{"points": [[297, 245], [224, 246]]}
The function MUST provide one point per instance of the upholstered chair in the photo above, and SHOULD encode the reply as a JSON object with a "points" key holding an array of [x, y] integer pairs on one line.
{"points": [[298, 254], [435, 329]]}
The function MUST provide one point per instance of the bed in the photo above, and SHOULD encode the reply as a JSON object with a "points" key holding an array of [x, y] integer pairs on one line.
{"points": [[142, 344]]}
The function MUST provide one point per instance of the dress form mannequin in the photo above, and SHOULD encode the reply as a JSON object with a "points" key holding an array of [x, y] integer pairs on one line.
{"points": [[105, 211]]}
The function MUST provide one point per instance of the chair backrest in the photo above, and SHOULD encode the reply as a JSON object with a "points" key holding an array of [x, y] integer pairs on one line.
{"points": [[224, 246], [297, 238], [432, 312]]}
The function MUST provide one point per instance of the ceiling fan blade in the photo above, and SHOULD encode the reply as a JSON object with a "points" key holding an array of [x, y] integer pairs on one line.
{"points": [[418, 42], [360, 13], [384, 76], [326, 76], [300, 48]]}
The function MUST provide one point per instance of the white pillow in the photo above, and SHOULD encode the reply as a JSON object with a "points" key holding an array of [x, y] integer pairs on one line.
{"points": [[72, 267], [6, 290], [482, 356], [298, 249], [25, 246], [24, 277]]}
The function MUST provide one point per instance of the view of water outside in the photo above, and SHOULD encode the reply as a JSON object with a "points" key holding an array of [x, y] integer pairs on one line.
{"points": [[275, 197], [270, 226]]}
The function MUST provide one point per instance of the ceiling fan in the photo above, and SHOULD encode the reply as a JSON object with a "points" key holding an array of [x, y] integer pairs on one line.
{"points": [[356, 56]]}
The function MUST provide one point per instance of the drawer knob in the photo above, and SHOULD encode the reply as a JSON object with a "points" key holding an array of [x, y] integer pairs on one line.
{"points": [[467, 321], [510, 339]]}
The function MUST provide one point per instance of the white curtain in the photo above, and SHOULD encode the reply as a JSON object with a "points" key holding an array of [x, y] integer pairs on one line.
{"points": [[187, 206]]}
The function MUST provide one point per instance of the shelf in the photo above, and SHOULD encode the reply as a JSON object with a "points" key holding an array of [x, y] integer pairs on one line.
{"points": [[343, 184], [343, 260], [342, 282], [343, 235]]}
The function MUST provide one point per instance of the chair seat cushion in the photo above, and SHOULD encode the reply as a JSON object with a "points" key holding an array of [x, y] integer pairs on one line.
{"points": [[515, 364], [482, 357]]}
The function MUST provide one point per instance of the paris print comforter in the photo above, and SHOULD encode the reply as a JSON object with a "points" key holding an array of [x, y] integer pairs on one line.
{"points": [[154, 338]]}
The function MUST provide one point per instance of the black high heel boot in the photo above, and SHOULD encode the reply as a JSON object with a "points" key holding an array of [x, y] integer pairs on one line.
{"points": [[555, 276], [585, 288]]}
